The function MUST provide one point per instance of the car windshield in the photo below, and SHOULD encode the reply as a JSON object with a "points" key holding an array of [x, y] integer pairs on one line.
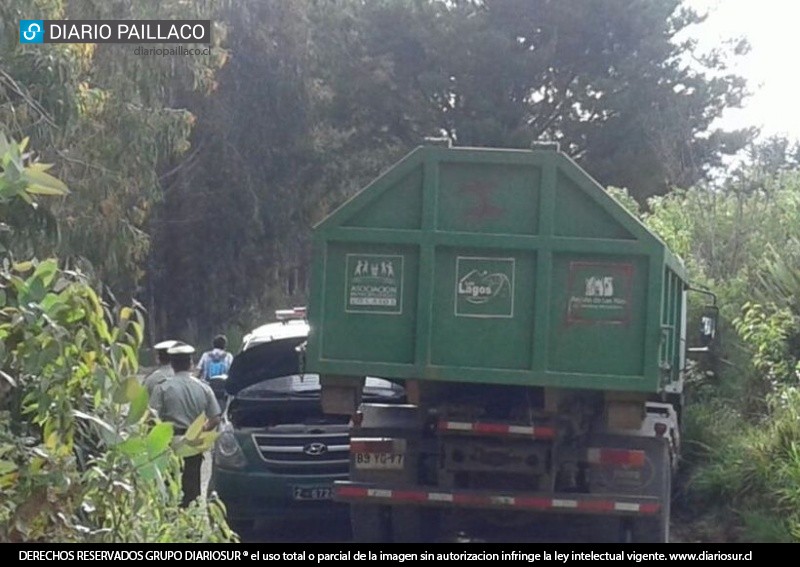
{"points": [[294, 384], [308, 384]]}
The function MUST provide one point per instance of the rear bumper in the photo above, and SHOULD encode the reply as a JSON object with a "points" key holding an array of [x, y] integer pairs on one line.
{"points": [[366, 493]]}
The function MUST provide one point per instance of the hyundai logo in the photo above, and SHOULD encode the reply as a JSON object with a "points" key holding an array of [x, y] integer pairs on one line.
{"points": [[315, 449]]}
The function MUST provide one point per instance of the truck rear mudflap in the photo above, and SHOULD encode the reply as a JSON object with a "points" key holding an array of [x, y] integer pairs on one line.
{"points": [[367, 493]]}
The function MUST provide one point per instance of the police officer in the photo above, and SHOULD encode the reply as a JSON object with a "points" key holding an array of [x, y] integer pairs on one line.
{"points": [[180, 400], [164, 369]]}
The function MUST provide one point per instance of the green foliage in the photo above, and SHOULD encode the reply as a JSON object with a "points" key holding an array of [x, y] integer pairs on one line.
{"points": [[609, 81], [741, 428], [109, 119], [779, 280], [21, 180], [624, 198], [752, 469], [82, 459], [766, 330]]}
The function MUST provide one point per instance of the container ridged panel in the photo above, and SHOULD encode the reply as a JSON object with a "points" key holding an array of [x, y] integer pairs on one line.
{"points": [[493, 266]]}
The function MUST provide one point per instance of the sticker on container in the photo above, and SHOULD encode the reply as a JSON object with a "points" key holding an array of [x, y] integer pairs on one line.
{"points": [[374, 284], [599, 293], [484, 287]]}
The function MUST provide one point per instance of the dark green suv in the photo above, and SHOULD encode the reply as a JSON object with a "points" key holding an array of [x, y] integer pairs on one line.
{"points": [[278, 454]]}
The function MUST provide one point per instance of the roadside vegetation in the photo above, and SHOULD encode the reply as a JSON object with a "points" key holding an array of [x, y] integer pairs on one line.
{"points": [[194, 183], [740, 238], [82, 458]]}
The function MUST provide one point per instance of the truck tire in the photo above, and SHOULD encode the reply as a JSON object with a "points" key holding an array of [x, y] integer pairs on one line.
{"points": [[370, 523], [653, 530], [656, 529], [407, 525], [411, 524]]}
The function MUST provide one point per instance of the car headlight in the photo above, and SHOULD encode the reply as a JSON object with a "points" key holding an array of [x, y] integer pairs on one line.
{"points": [[227, 451]]}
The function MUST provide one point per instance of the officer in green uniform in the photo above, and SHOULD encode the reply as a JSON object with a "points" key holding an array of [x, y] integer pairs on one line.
{"points": [[179, 400], [164, 369]]}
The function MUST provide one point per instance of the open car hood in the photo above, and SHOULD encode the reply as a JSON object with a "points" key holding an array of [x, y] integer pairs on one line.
{"points": [[264, 361]]}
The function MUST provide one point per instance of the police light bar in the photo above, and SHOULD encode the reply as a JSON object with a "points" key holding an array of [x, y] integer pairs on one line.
{"points": [[290, 314]]}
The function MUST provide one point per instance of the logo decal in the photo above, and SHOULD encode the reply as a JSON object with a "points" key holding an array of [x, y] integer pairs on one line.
{"points": [[374, 284], [599, 293], [479, 286], [484, 287], [315, 449], [31, 31]]}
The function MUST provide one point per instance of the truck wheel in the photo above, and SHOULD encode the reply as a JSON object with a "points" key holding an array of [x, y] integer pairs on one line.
{"points": [[656, 529], [415, 525], [653, 530], [370, 523]]}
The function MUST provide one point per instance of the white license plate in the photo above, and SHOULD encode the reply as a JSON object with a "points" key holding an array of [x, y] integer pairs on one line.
{"points": [[312, 492], [386, 461]]}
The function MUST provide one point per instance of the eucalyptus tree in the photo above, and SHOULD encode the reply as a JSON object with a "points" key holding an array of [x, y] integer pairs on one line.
{"points": [[108, 119]]}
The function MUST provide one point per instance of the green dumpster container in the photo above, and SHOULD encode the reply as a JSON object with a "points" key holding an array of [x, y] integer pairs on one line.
{"points": [[495, 267]]}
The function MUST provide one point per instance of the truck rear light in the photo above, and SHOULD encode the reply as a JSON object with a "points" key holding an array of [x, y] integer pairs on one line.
{"points": [[617, 457]]}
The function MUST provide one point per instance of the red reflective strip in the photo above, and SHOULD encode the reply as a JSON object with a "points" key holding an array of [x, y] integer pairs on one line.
{"points": [[596, 505], [537, 432], [649, 508], [539, 503], [410, 495], [491, 428], [470, 499], [351, 491], [544, 433]]}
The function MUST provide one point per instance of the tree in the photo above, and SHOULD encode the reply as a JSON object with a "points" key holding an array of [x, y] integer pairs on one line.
{"points": [[231, 229], [609, 80], [108, 120], [81, 457], [319, 97]]}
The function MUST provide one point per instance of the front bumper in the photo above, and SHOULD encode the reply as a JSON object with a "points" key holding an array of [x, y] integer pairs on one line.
{"points": [[258, 495]]}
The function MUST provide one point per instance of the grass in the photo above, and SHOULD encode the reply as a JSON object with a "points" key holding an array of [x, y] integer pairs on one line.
{"points": [[741, 479]]}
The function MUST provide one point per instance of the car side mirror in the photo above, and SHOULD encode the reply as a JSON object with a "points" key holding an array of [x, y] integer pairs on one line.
{"points": [[708, 325], [707, 333]]}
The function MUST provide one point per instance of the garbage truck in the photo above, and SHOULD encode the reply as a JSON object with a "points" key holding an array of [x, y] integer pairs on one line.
{"points": [[539, 330]]}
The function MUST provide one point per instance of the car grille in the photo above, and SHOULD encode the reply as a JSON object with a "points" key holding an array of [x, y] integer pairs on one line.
{"points": [[305, 454]]}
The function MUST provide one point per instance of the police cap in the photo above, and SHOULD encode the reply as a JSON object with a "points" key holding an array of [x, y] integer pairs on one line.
{"points": [[181, 348]]}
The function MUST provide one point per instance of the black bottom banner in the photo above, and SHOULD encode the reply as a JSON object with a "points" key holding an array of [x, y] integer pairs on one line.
{"points": [[385, 553]]}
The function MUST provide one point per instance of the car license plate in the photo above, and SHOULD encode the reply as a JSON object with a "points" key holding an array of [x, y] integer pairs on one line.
{"points": [[312, 492], [385, 461]]}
